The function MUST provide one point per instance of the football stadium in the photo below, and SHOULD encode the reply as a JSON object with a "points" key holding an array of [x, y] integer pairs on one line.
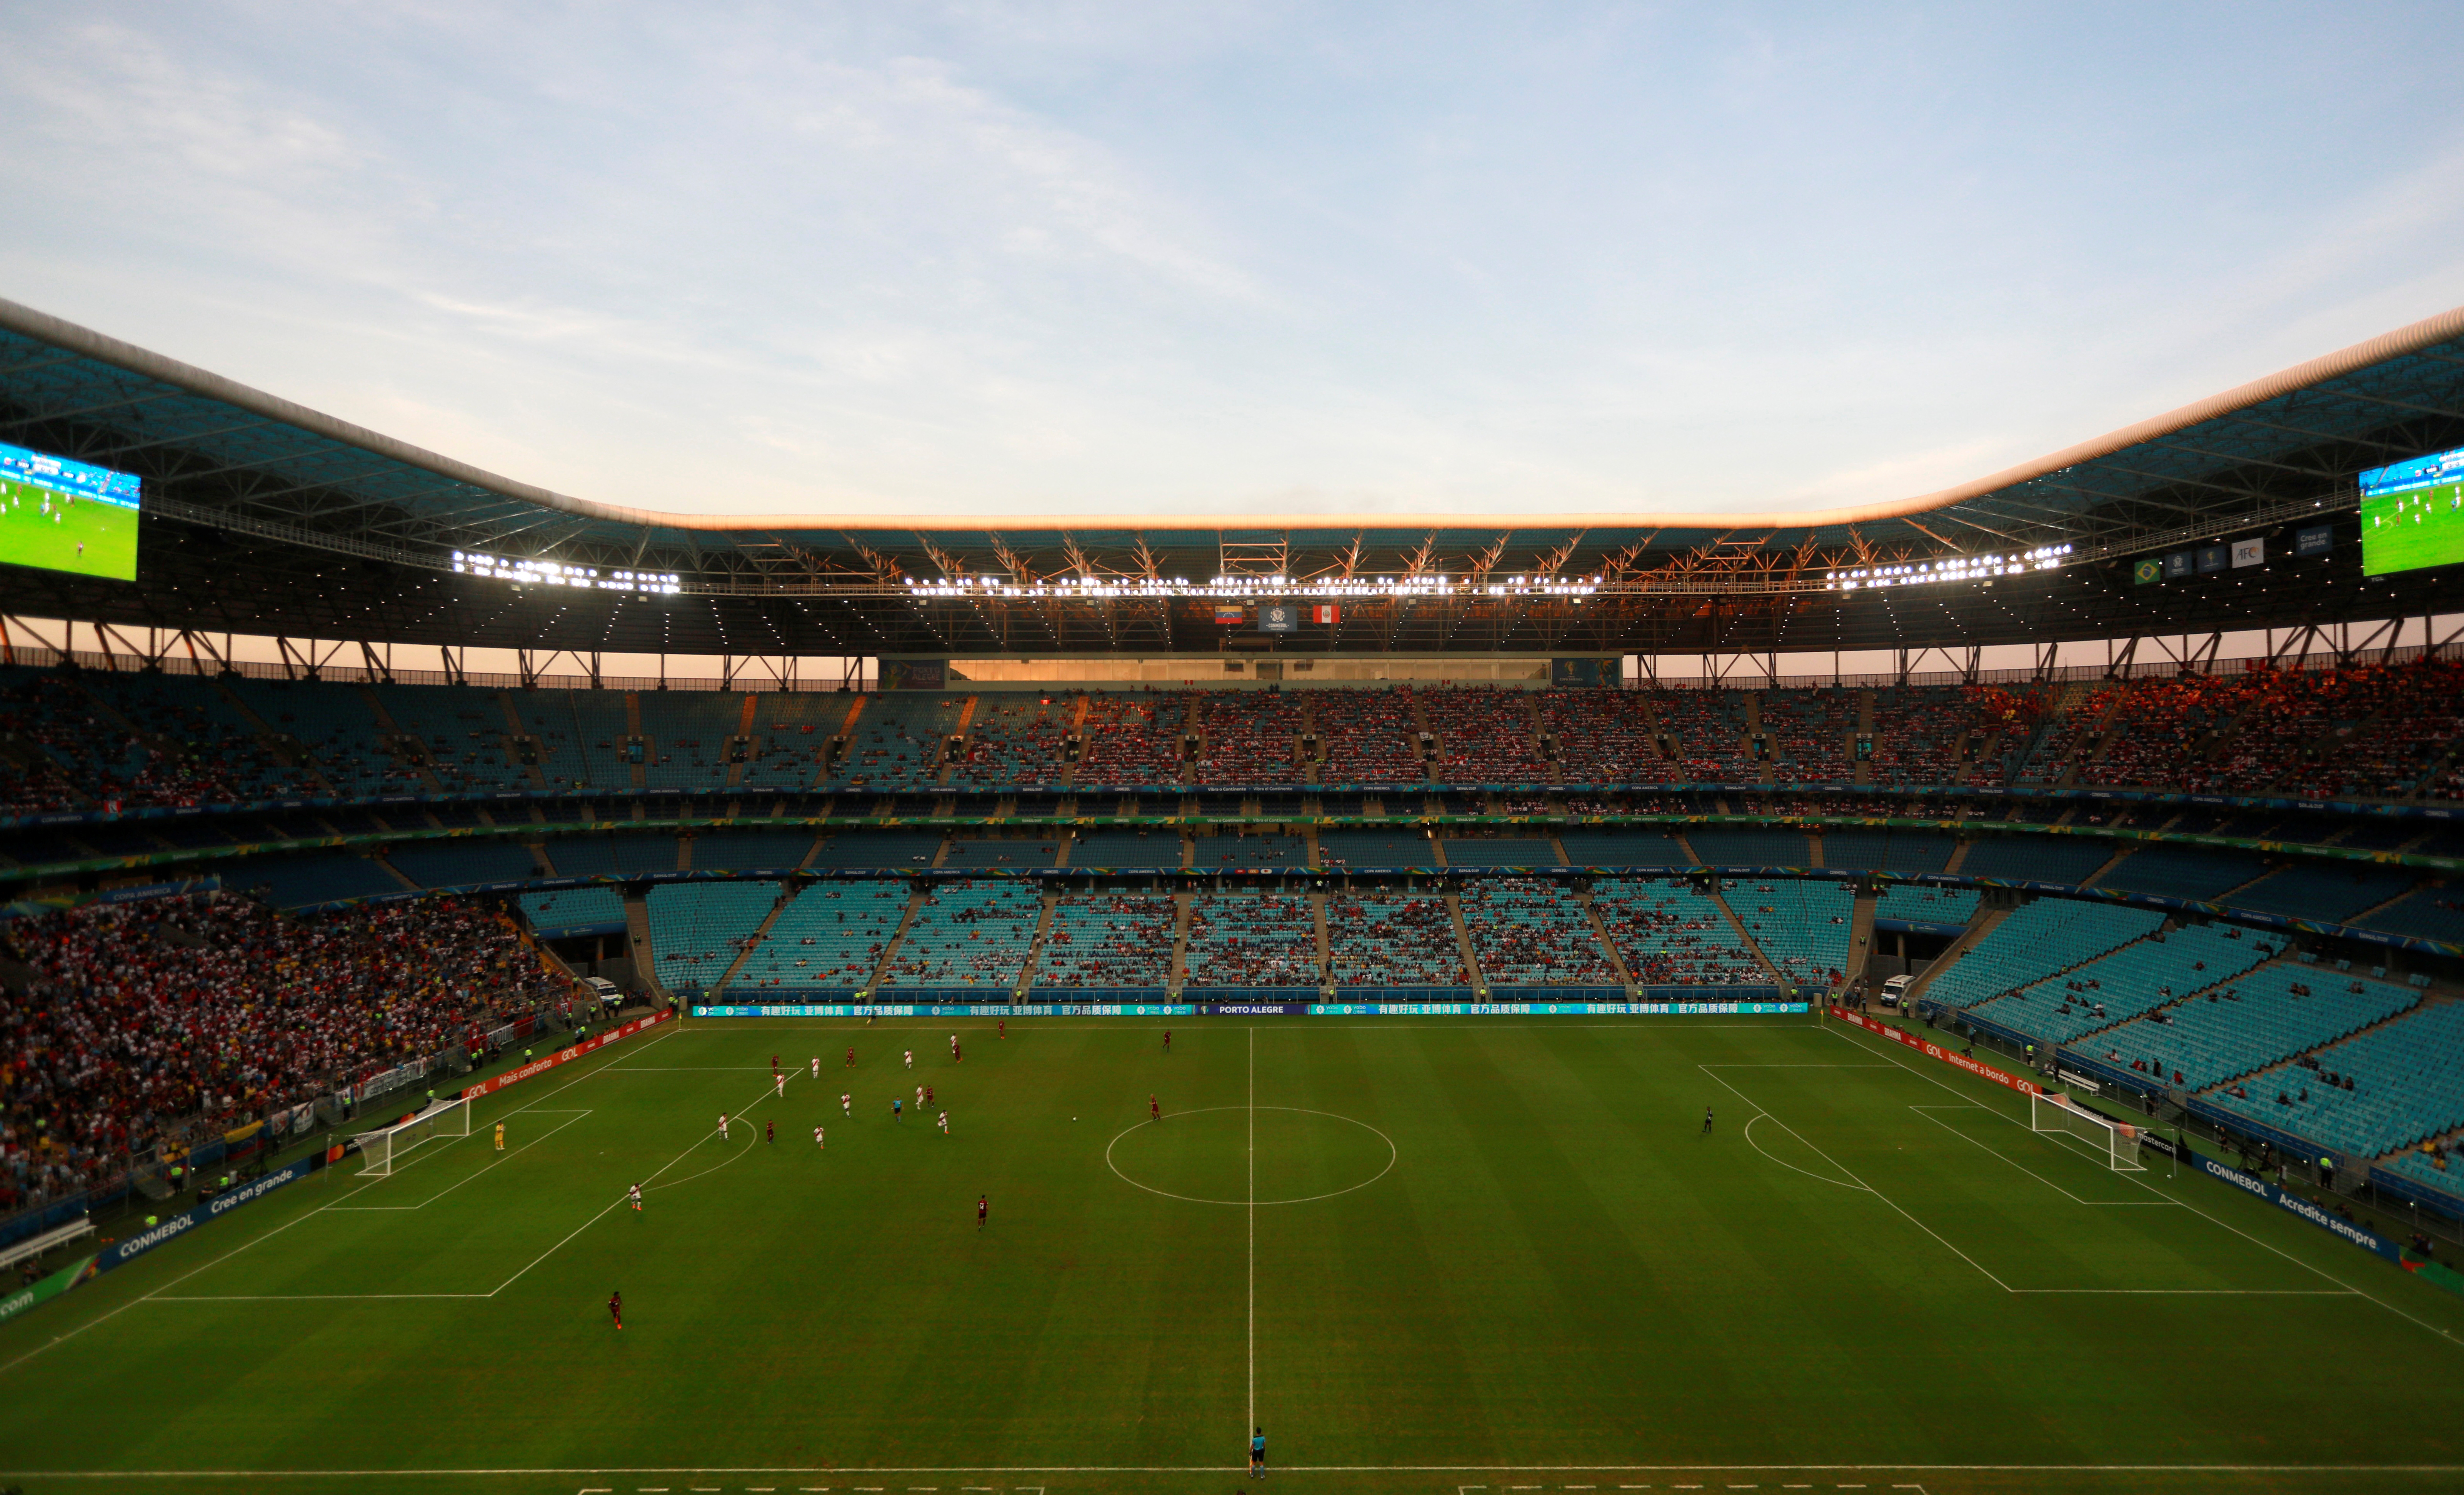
{"points": [[508, 993]]}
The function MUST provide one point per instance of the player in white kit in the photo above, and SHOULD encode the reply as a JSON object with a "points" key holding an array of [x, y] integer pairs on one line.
{"points": [[817, 1140], [722, 1126], [817, 1066], [945, 1123], [847, 1103], [910, 1059], [782, 1083]]}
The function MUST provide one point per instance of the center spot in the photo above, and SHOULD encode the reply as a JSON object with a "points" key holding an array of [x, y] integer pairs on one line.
{"points": [[1207, 1156]]}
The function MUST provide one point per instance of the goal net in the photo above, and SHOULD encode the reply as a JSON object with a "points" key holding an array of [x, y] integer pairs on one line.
{"points": [[2114, 1143], [380, 1151]]}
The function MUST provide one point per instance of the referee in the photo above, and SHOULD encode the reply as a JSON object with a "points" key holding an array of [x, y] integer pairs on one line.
{"points": [[1258, 1453]]}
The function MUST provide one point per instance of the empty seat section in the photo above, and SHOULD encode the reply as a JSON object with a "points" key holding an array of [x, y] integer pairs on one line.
{"points": [[2131, 980], [1917, 904], [1374, 848], [1126, 848], [1501, 851], [830, 936], [457, 864], [2035, 859], [2430, 913], [2035, 941], [1802, 925], [967, 935], [2192, 872], [1527, 932], [790, 729], [1227, 849], [698, 929], [1381, 940], [1723, 847], [1251, 939], [903, 850], [291, 882], [1624, 848], [999, 852], [684, 738], [575, 911], [2393, 1086], [2263, 1019], [463, 729], [2323, 891], [1107, 942], [733, 850], [1887, 850]]}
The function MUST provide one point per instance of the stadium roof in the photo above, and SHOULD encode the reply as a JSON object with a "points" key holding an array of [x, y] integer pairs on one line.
{"points": [[265, 517]]}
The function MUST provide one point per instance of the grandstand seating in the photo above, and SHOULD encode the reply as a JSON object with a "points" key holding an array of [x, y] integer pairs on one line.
{"points": [[898, 740], [2046, 755], [1809, 734], [1887, 850], [1374, 848], [729, 850], [1249, 737], [575, 911], [2194, 872], [830, 936], [1527, 933], [1918, 904], [2430, 913], [1384, 940], [1000, 851], [2263, 1018], [1486, 734], [698, 929], [1801, 926], [1499, 851], [1251, 940], [1729, 846], [2405, 1085], [2136, 978], [461, 864], [1670, 935], [967, 935], [2332, 892], [684, 739], [2049, 935], [1707, 728], [1016, 739], [1132, 740], [1602, 736], [1126, 848], [1107, 942], [1225, 849], [211, 1010], [2033, 859], [315, 877], [1623, 848], [902, 850], [1366, 737]]}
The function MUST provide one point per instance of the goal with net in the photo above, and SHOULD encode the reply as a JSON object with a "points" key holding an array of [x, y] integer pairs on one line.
{"points": [[2114, 1143], [380, 1151]]}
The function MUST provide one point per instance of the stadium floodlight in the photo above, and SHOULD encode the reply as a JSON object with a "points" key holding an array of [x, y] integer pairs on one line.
{"points": [[379, 1150], [2112, 1143]]}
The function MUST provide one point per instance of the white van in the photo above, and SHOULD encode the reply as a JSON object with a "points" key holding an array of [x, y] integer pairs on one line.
{"points": [[608, 996], [1895, 989]]}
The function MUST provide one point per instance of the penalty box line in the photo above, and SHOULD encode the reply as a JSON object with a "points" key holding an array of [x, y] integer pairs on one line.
{"points": [[2447, 1334], [159, 1293], [768, 1092], [1230, 1468]]}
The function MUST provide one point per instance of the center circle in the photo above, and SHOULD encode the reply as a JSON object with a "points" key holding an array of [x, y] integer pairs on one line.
{"points": [[1242, 1155]]}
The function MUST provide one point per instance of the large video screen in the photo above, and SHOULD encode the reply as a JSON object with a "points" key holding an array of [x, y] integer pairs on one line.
{"points": [[65, 516], [2412, 513]]}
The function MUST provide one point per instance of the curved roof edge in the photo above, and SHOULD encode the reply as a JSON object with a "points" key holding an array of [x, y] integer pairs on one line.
{"points": [[2441, 327]]}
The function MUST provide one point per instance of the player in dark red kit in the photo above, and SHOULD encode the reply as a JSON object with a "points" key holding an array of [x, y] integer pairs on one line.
{"points": [[983, 1207], [616, 1307], [1167, 1041], [770, 1130], [850, 1063], [1154, 1109]]}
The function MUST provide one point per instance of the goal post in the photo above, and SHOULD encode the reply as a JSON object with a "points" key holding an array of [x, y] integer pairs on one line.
{"points": [[2114, 1143], [380, 1150]]}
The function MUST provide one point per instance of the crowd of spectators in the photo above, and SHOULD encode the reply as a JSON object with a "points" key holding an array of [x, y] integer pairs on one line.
{"points": [[1668, 937], [1108, 940], [1016, 739], [1248, 737], [1707, 728], [1379, 939], [1602, 736], [1251, 939], [1486, 734], [142, 1017], [1367, 736], [1527, 932], [1808, 734], [1132, 740]]}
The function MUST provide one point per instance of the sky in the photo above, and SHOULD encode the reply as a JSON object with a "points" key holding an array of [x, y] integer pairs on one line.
{"points": [[1220, 260]]}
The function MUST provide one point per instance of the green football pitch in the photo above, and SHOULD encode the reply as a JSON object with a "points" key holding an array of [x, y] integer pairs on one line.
{"points": [[40, 527], [1426, 1255]]}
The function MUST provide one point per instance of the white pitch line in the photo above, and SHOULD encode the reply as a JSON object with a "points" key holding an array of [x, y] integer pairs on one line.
{"points": [[575, 1116], [2447, 1334], [1253, 1224], [1311, 1468], [1925, 1112]]}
